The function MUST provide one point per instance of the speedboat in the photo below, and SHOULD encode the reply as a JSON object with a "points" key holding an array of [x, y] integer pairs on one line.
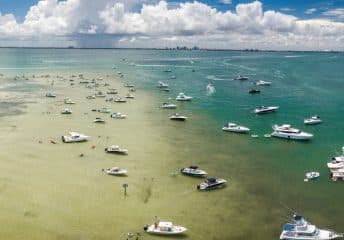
{"points": [[120, 100], [254, 91], [178, 117], [104, 110], [68, 101], [66, 111], [262, 83], [50, 95], [300, 229], [239, 77], [211, 183], [116, 149], [287, 131], [312, 175], [164, 228], [193, 171], [129, 96], [161, 84], [312, 120], [116, 171], [99, 120], [167, 105], [74, 137], [264, 109], [118, 115], [183, 97], [233, 127]]}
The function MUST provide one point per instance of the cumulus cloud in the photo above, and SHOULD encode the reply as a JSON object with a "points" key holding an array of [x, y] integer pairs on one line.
{"points": [[147, 23], [310, 10], [226, 1], [337, 13]]}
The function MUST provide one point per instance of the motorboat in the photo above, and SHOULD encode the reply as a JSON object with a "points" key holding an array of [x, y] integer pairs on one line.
{"points": [[112, 91], [120, 100], [50, 95], [211, 183], [233, 127], [168, 70], [161, 84], [74, 137], [104, 110], [287, 131], [167, 105], [91, 97], [128, 85], [128, 95], [66, 111], [68, 101], [337, 162], [312, 120], [116, 149], [262, 83], [116, 171], [164, 228], [100, 94], [240, 77], [300, 229], [118, 115], [252, 91], [193, 171], [173, 77], [312, 175], [178, 117], [99, 120], [265, 109], [183, 97]]}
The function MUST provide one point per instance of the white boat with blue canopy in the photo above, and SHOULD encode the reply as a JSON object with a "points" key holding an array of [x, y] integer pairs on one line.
{"points": [[300, 229]]}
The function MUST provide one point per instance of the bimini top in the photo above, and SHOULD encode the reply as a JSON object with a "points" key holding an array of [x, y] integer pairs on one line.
{"points": [[211, 180]]}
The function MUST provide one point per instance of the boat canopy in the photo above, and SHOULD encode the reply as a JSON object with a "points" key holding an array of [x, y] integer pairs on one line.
{"points": [[194, 167], [211, 180]]}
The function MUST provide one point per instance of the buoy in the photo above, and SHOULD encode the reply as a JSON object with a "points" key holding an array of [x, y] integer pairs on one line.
{"points": [[81, 155]]}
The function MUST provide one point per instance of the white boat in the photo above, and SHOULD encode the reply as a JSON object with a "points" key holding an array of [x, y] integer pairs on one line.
{"points": [[120, 100], [118, 115], [262, 83], [211, 183], [66, 111], [287, 131], [164, 228], [312, 175], [167, 105], [68, 101], [161, 84], [337, 162], [50, 95], [116, 171], [312, 120], [99, 120], [233, 127], [339, 158], [104, 110], [74, 137], [178, 117], [265, 109], [128, 95], [112, 91], [210, 89], [116, 149], [337, 174], [239, 77], [193, 171], [91, 97], [128, 85], [183, 97], [300, 229]]}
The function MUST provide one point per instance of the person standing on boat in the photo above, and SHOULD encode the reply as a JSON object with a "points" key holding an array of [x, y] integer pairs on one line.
{"points": [[156, 223]]}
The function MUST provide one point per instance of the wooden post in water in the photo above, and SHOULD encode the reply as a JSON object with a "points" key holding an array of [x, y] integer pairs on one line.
{"points": [[125, 185]]}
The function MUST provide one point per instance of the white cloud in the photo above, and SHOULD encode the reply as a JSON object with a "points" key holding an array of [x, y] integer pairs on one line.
{"points": [[310, 10], [287, 9], [337, 13], [225, 1], [157, 24]]}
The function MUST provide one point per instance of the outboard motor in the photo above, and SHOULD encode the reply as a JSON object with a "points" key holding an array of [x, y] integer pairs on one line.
{"points": [[145, 228]]}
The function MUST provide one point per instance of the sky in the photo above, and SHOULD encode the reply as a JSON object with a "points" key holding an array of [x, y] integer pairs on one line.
{"points": [[221, 24]]}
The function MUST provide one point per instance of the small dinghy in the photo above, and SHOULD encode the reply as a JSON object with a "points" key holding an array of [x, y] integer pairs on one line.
{"points": [[116, 149], [312, 120], [312, 175], [116, 171]]}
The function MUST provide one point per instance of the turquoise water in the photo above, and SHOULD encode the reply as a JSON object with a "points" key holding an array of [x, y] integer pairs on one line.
{"points": [[267, 173]]}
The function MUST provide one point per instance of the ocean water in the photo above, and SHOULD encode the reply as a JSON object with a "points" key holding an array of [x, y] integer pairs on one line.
{"points": [[47, 191]]}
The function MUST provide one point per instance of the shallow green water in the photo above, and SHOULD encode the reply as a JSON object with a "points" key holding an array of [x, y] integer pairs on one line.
{"points": [[47, 191]]}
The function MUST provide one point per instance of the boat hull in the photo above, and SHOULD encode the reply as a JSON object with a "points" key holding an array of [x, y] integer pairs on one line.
{"points": [[302, 137]]}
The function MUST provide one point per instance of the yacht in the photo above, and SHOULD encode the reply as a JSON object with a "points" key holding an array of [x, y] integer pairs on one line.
{"points": [[116, 171], [178, 117], [120, 100], [262, 83], [164, 228], [252, 91], [183, 97], [74, 137], [68, 101], [312, 175], [265, 109], [99, 120], [66, 111], [300, 229], [193, 171], [211, 183], [287, 131], [233, 127], [161, 84], [312, 120], [104, 110], [116, 149], [50, 95], [167, 105], [118, 115], [239, 77]]}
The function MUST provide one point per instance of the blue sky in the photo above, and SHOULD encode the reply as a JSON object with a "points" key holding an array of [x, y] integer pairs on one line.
{"points": [[267, 24]]}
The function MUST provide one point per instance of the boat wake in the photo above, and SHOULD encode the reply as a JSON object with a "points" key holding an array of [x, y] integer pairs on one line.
{"points": [[210, 89]]}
